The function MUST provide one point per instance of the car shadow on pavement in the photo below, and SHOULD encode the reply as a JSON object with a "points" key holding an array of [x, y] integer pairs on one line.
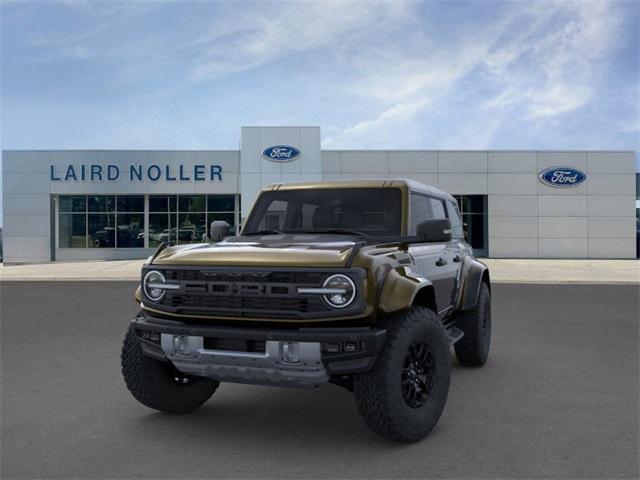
{"points": [[277, 416]]}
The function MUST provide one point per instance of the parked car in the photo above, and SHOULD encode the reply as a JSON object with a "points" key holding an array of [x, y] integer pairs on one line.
{"points": [[363, 284]]}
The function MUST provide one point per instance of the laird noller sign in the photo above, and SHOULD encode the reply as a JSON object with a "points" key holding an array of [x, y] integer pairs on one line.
{"points": [[135, 173]]}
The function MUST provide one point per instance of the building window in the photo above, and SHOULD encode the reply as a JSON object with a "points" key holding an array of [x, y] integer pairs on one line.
{"points": [[101, 221], [118, 221], [162, 219], [473, 209], [130, 221], [73, 230], [184, 219]]}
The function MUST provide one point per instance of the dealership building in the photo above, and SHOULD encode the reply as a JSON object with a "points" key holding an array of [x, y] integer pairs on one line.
{"points": [[120, 204]]}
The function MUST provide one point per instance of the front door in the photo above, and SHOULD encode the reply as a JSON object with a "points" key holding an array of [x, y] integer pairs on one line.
{"points": [[435, 261]]}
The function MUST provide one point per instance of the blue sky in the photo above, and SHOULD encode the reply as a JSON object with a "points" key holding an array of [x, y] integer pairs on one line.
{"points": [[402, 74]]}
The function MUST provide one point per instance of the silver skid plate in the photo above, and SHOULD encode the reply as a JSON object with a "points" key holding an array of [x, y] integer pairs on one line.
{"points": [[189, 356]]}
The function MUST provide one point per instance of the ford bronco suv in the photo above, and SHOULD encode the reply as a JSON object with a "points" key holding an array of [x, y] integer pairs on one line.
{"points": [[363, 284]]}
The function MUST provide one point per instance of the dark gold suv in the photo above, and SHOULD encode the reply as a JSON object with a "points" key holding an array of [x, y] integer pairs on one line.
{"points": [[363, 284]]}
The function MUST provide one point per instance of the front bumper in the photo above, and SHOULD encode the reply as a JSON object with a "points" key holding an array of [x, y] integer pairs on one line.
{"points": [[222, 353]]}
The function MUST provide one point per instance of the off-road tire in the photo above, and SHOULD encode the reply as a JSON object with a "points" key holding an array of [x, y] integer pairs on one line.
{"points": [[378, 393], [153, 382], [473, 349]]}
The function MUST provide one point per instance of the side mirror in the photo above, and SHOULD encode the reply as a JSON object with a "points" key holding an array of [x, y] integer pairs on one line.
{"points": [[218, 230], [435, 230]]}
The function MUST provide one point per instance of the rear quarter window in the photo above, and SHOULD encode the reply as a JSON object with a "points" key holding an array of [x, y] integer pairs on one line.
{"points": [[437, 207], [456, 223]]}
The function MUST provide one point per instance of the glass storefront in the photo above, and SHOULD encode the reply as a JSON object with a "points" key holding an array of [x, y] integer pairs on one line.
{"points": [[118, 221], [473, 209]]}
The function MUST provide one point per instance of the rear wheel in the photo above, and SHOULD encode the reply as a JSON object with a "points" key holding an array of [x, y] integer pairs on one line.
{"points": [[159, 385], [404, 395], [473, 349]]}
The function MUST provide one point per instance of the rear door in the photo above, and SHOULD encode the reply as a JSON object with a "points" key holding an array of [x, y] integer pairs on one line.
{"points": [[460, 248]]}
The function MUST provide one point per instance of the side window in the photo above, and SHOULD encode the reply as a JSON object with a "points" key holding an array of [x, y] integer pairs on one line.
{"points": [[420, 211], [456, 224], [437, 206]]}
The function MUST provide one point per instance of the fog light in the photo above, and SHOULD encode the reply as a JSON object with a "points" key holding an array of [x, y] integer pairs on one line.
{"points": [[291, 352], [181, 344]]}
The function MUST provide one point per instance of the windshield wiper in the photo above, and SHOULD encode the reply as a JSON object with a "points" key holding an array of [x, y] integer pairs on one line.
{"points": [[264, 232], [343, 231]]}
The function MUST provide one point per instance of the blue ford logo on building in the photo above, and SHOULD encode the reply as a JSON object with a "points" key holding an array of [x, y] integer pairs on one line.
{"points": [[281, 153], [562, 176]]}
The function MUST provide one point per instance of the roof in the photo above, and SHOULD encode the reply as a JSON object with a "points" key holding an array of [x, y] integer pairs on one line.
{"points": [[365, 183]]}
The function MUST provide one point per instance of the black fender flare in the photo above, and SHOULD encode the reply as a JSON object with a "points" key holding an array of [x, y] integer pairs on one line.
{"points": [[474, 273]]}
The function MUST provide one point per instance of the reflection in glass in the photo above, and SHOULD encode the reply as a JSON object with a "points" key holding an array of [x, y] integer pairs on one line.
{"points": [[220, 203], [131, 203], [73, 203], [101, 203], [72, 230], [130, 230], [101, 230], [97, 225], [161, 228], [158, 203], [192, 227], [192, 203]]}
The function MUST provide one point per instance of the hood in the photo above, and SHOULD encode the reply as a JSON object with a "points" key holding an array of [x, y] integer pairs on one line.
{"points": [[272, 251]]}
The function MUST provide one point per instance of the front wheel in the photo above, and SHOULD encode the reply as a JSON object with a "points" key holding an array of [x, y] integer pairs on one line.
{"points": [[404, 395], [159, 385]]}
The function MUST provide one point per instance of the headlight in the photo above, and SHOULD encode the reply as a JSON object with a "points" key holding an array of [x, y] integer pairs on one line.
{"points": [[152, 285], [343, 291]]}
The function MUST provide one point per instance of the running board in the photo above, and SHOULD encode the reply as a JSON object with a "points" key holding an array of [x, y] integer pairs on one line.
{"points": [[454, 335]]}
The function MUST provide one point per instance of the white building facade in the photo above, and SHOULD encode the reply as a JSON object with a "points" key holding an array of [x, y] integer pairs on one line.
{"points": [[118, 204]]}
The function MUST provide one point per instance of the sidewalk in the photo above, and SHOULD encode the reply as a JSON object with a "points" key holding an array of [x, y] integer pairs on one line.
{"points": [[502, 271]]}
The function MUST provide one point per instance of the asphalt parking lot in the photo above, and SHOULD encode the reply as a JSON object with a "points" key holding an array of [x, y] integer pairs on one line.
{"points": [[558, 399]]}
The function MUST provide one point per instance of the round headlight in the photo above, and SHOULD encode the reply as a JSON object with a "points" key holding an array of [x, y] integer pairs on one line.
{"points": [[344, 291], [151, 278]]}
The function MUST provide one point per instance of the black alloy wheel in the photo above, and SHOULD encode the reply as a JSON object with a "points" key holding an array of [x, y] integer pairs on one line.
{"points": [[418, 373]]}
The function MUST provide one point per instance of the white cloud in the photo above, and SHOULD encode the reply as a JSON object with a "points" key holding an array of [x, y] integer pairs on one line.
{"points": [[543, 57], [231, 37], [388, 73], [261, 37]]}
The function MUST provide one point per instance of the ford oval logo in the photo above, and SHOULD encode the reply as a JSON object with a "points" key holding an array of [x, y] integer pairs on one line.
{"points": [[562, 177], [281, 153]]}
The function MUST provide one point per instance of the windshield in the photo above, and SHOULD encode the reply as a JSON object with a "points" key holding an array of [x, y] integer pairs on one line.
{"points": [[368, 211]]}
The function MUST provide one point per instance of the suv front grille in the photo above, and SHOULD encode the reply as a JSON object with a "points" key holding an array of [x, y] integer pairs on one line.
{"points": [[239, 292], [246, 303]]}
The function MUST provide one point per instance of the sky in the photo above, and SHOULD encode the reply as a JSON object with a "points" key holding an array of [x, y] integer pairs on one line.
{"points": [[372, 74]]}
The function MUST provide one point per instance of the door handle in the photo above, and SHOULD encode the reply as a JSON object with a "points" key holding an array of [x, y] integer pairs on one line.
{"points": [[457, 259], [441, 262]]}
